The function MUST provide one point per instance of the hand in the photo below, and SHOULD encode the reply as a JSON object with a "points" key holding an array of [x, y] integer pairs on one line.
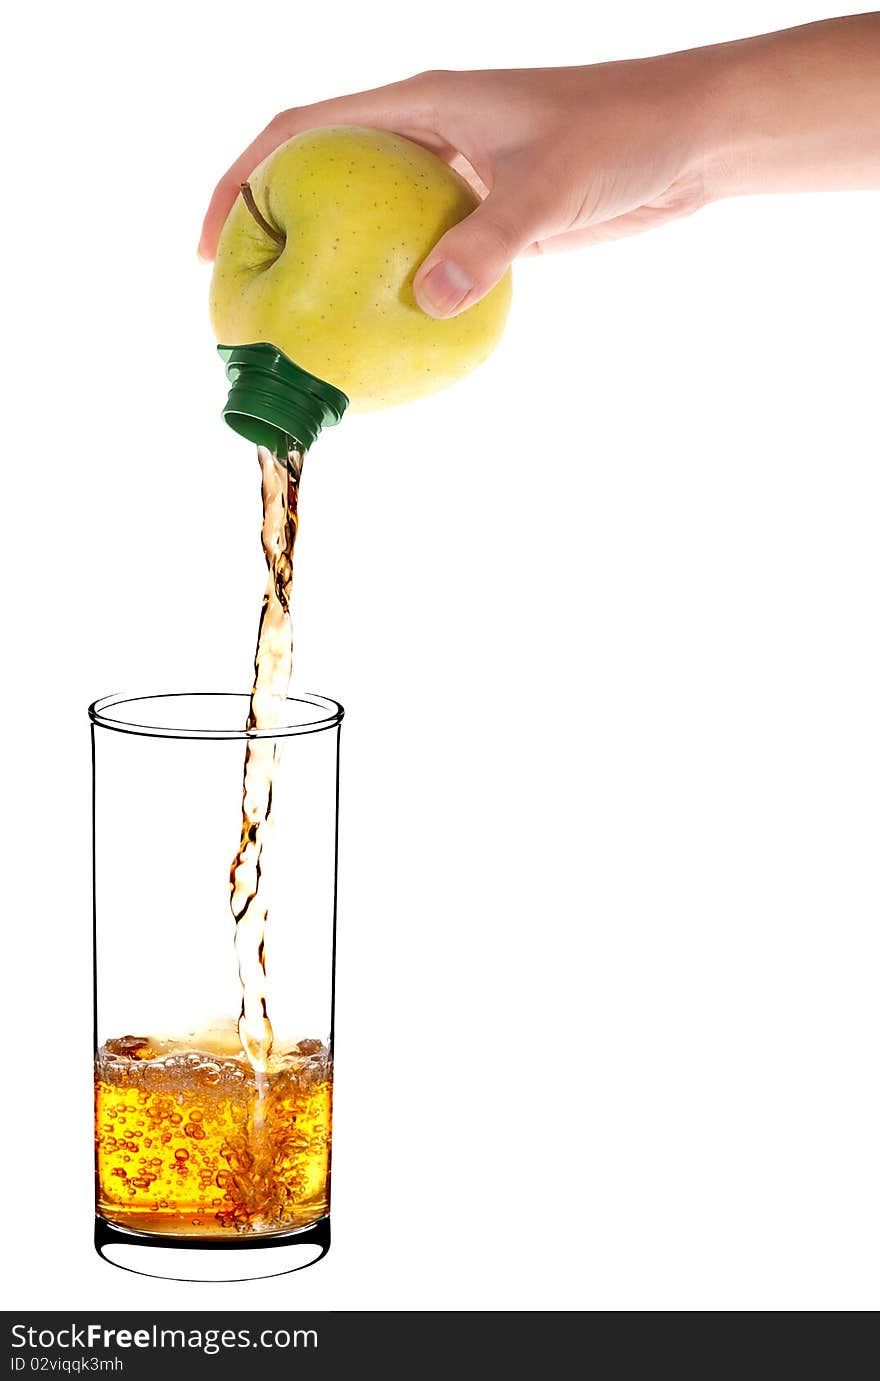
{"points": [[568, 156], [575, 155]]}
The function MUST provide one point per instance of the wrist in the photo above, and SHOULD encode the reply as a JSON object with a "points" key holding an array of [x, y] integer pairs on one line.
{"points": [[714, 98], [696, 97], [735, 130]]}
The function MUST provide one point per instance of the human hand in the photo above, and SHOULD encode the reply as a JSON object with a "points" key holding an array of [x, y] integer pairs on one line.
{"points": [[567, 156], [572, 156]]}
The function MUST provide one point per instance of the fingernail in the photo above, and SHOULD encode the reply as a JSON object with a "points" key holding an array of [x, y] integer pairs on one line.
{"points": [[443, 289]]}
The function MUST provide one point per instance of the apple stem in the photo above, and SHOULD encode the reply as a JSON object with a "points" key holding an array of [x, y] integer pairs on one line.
{"points": [[247, 197]]}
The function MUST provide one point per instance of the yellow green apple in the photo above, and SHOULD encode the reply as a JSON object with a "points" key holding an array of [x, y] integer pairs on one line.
{"points": [[348, 214]]}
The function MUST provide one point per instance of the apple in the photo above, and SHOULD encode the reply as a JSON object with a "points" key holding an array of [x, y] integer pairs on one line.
{"points": [[321, 265]]}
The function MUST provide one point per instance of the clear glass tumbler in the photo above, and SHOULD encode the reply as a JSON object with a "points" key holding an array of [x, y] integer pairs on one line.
{"points": [[212, 1164]]}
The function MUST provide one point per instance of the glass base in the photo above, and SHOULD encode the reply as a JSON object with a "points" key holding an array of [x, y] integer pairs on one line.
{"points": [[191, 1258]]}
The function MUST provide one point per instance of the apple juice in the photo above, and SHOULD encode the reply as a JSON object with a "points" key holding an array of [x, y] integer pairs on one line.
{"points": [[273, 667], [191, 1140], [223, 1134]]}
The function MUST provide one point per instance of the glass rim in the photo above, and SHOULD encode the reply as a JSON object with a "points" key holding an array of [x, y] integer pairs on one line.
{"points": [[100, 718]]}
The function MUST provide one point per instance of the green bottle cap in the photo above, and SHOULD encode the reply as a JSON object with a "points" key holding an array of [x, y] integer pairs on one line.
{"points": [[273, 402]]}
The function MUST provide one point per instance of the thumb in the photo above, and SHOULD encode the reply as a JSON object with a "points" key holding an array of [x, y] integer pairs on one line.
{"points": [[471, 257]]}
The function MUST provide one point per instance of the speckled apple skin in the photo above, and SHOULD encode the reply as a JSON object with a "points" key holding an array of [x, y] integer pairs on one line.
{"points": [[360, 209]]}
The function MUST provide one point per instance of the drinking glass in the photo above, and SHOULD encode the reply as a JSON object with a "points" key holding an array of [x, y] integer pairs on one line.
{"points": [[209, 1167]]}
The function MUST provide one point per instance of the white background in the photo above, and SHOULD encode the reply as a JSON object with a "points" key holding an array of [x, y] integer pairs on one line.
{"points": [[605, 622]]}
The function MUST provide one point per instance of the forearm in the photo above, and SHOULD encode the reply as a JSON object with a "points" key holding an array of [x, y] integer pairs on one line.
{"points": [[794, 111]]}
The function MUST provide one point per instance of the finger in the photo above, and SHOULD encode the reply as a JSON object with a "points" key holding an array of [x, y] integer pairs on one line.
{"points": [[471, 257], [404, 107]]}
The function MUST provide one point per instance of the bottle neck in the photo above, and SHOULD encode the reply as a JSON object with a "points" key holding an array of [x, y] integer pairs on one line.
{"points": [[274, 403]]}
